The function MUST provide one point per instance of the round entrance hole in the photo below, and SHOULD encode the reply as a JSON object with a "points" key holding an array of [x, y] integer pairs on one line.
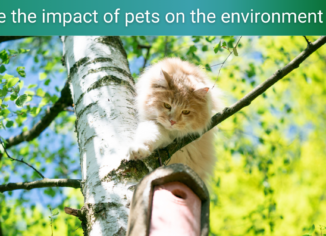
{"points": [[179, 193]]}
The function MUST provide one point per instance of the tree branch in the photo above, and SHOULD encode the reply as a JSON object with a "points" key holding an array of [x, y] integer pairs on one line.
{"points": [[308, 42], [222, 64], [9, 38], [152, 162], [21, 161], [166, 46], [146, 58], [246, 100], [142, 46], [64, 101], [71, 183]]}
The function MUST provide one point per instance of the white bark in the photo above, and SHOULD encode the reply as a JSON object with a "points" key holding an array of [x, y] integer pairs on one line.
{"points": [[103, 94]]}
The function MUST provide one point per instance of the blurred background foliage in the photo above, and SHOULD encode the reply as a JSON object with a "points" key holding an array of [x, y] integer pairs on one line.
{"points": [[270, 174]]}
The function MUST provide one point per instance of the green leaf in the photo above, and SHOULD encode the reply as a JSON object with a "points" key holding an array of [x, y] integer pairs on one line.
{"points": [[9, 123], [7, 77], [204, 48], [35, 111], [193, 48], [21, 100], [40, 92], [235, 52], [13, 97], [28, 92], [4, 112], [252, 71], [16, 89], [12, 82], [1, 125], [227, 38], [210, 38], [21, 71], [21, 84], [42, 76], [0, 102], [55, 212], [208, 68], [36, 60], [12, 51], [3, 92], [54, 98], [21, 50], [2, 68], [31, 86], [196, 39], [47, 82], [4, 57], [230, 43], [217, 47]]}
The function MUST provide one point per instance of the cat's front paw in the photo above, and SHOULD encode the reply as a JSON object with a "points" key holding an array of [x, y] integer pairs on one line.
{"points": [[139, 151]]}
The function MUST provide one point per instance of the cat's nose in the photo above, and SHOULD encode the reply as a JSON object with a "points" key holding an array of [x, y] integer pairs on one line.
{"points": [[172, 122]]}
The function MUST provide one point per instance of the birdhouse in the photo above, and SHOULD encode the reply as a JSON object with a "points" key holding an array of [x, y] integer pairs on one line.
{"points": [[172, 200]]}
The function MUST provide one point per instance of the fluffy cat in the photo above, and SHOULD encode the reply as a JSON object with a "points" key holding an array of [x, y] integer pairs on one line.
{"points": [[175, 99]]}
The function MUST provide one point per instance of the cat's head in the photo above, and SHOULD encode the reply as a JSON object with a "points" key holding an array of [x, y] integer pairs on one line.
{"points": [[178, 104]]}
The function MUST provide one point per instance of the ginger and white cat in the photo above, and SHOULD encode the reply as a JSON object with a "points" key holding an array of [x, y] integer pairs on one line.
{"points": [[175, 99]]}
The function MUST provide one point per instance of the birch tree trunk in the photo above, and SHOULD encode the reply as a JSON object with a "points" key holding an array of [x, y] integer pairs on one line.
{"points": [[103, 93]]}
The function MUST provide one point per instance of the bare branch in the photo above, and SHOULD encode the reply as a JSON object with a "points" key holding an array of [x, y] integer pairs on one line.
{"points": [[64, 101], [222, 64], [21, 161], [166, 46], [142, 46], [146, 58], [72, 211], [71, 183], [308, 42], [9, 38]]}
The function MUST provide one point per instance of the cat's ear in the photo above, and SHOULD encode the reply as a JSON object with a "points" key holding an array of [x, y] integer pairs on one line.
{"points": [[201, 92], [163, 79]]}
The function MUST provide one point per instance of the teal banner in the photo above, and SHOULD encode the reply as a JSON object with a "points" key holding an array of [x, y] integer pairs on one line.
{"points": [[168, 17]]}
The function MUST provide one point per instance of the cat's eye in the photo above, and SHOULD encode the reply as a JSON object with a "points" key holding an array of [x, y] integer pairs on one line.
{"points": [[185, 112], [167, 106]]}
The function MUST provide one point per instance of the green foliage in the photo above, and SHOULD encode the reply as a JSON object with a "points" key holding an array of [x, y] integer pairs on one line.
{"points": [[37, 221], [269, 182], [24, 101], [270, 175]]}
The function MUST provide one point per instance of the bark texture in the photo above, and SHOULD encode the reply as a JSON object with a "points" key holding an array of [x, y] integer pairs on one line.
{"points": [[103, 93]]}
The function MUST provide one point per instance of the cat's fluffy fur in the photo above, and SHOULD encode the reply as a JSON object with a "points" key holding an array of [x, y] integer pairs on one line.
{"points": [[184, 88]]}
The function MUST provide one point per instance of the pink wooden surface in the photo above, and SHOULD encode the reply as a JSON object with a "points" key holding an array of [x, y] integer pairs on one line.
{"points": [[175, 211]]}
